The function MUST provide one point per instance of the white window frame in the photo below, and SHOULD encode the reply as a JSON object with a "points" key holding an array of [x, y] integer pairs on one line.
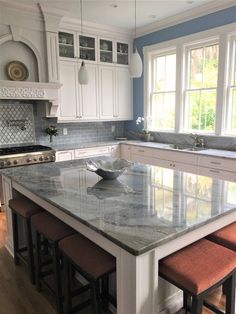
{"points": [[164, 52], [223, 35], [232, 57], [187, 49]]}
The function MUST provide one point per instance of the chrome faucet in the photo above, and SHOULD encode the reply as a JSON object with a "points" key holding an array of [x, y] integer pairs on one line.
{"points": [[199, 141]]}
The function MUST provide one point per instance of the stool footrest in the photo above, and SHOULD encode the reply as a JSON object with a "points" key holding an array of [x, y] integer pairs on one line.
{"points": [[212, 307], [80, 306]]}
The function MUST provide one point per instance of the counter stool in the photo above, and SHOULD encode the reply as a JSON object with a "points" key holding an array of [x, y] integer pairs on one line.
{"points": [[225, 236], [24, 208], [93, 263], [198, 269], [53, 230]]}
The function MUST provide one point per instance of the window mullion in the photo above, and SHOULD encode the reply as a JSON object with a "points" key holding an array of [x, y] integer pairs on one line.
{"points": [[179, 90], [221, 110]]}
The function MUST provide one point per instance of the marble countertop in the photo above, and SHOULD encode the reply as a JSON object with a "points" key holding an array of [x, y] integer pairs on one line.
{"points": [[208, 152], [145, 207]]}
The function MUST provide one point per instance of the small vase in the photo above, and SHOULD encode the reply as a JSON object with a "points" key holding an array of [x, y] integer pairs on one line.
{"points": [[146, 137]]}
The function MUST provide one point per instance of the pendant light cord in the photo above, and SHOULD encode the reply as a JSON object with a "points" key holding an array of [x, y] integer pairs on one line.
{"points": [[135, 16], [81, 17]]}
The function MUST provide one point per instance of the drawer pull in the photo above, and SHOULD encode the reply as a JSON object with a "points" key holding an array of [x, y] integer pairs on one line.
{"points": [[214, 171], [215, 162], [141, 151]]}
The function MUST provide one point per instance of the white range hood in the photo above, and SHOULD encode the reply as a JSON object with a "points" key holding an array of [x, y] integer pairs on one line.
{"points": [[32, 91]]}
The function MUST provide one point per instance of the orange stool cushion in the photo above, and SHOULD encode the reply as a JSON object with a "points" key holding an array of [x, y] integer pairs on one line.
{"points": [[225, 236], [51, 227], [199, 266], [24, 206], [92, 259]]}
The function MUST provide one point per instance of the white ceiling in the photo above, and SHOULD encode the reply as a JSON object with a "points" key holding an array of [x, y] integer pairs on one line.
{"points": [[105, 12]]}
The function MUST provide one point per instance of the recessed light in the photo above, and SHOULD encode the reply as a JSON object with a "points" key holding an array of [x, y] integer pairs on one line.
{"points": [[114, 5]]}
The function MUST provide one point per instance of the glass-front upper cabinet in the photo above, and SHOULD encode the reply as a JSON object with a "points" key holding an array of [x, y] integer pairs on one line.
{"points": [[66, 45], [122, 53], [106, 51], [87, 48]]}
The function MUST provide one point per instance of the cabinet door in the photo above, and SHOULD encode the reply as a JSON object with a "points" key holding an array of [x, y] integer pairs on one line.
{"points": [[124, 104], [125, 151], [89, 95], [65, 155], [217, 163], [107, 92], [69, 92]]}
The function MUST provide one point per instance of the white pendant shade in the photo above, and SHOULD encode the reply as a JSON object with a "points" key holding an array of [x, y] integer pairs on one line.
{"points": [[136, 65], [83, 74]]}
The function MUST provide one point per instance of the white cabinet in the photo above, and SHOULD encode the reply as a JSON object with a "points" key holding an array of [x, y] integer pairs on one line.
{"points": [[92, 151], [217, 163], [65, 155], [78, 102], [174, 165], [89, 107], [69, 90], [115, 151], [115, 93], [125, 151], [124, 94]]}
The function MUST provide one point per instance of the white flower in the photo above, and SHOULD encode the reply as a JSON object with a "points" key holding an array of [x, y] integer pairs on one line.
{"points": [[139, 120]]}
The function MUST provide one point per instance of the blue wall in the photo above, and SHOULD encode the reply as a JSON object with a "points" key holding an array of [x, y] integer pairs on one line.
{"points": [[196, 25]]}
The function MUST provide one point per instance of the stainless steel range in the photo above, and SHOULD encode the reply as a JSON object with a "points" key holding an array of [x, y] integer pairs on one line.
{"points": [[25, 155]]}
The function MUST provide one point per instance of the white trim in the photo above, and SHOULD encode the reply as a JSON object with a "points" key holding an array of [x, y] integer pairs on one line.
{"points": [[188, 15], [220, 35]]}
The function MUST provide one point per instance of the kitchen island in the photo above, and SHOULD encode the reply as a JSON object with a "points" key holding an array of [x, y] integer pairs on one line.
{"points": [[146, 214]]}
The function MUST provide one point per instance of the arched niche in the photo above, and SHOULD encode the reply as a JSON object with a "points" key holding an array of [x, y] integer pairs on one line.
{"points": [[18, 51]]}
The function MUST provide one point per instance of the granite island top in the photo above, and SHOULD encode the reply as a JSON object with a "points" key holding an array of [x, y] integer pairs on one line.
{"points": [[145, 207]]}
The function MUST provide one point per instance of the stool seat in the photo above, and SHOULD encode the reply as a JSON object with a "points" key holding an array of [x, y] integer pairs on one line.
{"points": [[92, 259], [51, 227], [225, 236], [199, 266], [24, 207]]}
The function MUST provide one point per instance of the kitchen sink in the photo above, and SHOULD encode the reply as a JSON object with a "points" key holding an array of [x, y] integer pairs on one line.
{"points": [[186, 148]]}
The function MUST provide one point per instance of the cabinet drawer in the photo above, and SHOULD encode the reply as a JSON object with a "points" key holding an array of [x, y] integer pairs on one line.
{"points": [[90, 152], [142, 151], [217, 163], [188, 158], [217, 173], [175, 165]]}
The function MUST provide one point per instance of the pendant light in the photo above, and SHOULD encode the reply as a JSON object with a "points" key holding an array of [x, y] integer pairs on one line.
{"points": [[136, 65], [83, 73]]}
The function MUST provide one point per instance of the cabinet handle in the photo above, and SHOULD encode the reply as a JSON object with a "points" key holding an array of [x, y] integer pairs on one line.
{"points": [[214, 171], [170, 165], [215, 162], [173, 165], [141, 151]]}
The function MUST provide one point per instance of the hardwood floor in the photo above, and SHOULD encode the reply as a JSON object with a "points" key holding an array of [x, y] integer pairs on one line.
{"points": [[18, 296]]}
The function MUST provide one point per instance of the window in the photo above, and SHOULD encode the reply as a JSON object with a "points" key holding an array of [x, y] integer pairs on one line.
{"points": [[191, 83], [162, 108], [231, 109], [201, 89]]}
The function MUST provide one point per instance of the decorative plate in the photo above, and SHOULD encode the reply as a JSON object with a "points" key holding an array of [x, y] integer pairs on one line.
{"points": [[17, 71]]}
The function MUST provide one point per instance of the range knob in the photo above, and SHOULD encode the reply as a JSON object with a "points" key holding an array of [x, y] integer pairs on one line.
{"points": [[40, 158], [52, 158], [35, 159], [46, 158], [8, 163], [2, 163], [29, 160], [15, 162]]}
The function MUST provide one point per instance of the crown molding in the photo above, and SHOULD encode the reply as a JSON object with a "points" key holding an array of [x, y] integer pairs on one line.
{"points": [[95, 28], [190, 14]]}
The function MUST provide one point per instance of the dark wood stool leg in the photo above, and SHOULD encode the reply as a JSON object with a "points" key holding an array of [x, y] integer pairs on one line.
{"points": [[56, 271], [67, 278], [95, 297], [30, 257], [15, 238], [229, 287], [197, 304], [185, 301], [105, 292], [38, 260]]}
